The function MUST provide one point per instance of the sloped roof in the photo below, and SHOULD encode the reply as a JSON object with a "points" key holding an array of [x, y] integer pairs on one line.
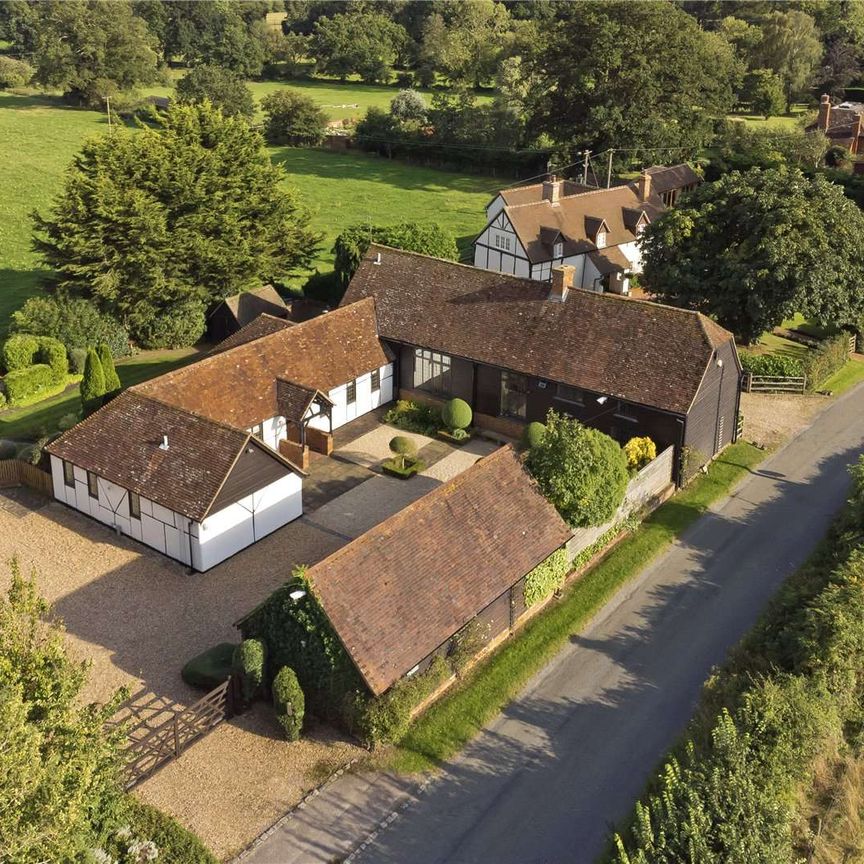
{"points": [[293, 400], [402, 589], [120, 442], [248, 305], [263, 325], [665, 178], [577, 217], [534, 192], [238, 386], [638, 351]]}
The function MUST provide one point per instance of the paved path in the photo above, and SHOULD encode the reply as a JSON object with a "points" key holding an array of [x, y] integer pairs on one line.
{"points": [[545, 780]]}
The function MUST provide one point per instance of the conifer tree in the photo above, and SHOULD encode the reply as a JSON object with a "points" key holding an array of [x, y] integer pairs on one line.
{"points": [[112, 379], [93, 383]]}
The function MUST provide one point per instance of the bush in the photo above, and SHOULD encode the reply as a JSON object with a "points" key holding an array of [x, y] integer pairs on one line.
{"points": [[580, 470], [67, 421], [77, 359], [404, 448], [112, 380], [2, 398], [457, 414], [772, 365], [414, 417], [177, 326], [224, 88], [14, 73], [822, 362], [53, 352], [289, 702], [546, 577], [210, 668], [176, 845], [639, 452], [249, 662], [293, 119], [532, 434], [92, 390], [19, 352], [28, 383], [467, 644]]}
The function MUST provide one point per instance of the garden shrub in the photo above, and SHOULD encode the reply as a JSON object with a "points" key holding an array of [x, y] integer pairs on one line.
{"points": [[177, 326], [175, 843], [2, 398], [28, 383], [771, 365], [249, 662], [404, 449], [67, 421], [53, 353], [639, 452], [77, 359], [467, 644], [288, 702], [822, 362], [414, 417], [19, 352], [92, 390], [14, 73], [546, 577], [457, 414], [112, 380], [533, 434], [210, 668]]}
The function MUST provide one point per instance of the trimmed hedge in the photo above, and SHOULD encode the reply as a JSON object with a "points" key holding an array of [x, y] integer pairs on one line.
{"points": [[772, 365], [27, 383], [19, 352], [289, 702], [822, 362], [210, 668], [457, 414], [546, 577], [533, 434], [176, 845], [250, 662]]}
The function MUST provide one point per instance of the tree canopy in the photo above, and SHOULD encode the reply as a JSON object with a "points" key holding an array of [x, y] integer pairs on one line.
{"points": [[754, 248], [222, 87], [165, 221], [293, 118], [580, 470]]}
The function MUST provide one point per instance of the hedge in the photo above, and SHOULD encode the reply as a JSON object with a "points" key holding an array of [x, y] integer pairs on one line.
{"points": [[289, 702], [176, 845], [414, 417], [26, 383], [546, 577], [23, 350], [249, 662], [772, 365], [822, 362], [457, 414]]}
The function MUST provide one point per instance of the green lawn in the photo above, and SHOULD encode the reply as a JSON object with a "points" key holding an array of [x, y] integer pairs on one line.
{"points": [[452, 721], [35, 420], [844, 379], [771, 343], [39, 137]]}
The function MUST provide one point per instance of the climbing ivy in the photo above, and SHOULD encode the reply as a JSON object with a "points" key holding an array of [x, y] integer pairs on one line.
{"points": [[546, 577]]}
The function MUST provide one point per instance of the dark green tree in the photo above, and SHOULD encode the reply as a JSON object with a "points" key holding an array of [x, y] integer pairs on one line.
{"points": [[223, 88], [93, 389], [364, 43], [352, 243], [763, 90], [106, 361], [293, 118], [840, 67], [754, 248], [605, 77], [165, 221]]}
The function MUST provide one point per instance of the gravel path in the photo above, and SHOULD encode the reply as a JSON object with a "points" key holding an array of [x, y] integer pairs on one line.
{"points": [[771, 418]]}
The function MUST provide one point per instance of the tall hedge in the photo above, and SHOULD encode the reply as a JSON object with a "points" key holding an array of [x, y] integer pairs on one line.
{"points": [[19, 352], [546, 577], [28, 383], [93, 383], [250, 663], [112, 380], [288, 702], [822, 362]]}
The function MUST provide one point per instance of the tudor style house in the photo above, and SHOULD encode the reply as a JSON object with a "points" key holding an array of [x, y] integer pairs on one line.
{"points": [[531, 229], [514, 348], [203, 461]]}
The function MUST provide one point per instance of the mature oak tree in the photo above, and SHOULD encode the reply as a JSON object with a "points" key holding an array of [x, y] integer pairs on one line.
{"points": [[754, 248], [224, 88], [164, 221]]}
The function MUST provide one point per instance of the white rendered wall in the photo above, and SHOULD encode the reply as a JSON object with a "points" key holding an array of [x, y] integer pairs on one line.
{"points": [[365, 402]]}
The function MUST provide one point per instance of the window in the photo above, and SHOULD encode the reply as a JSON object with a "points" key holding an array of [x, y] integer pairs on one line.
{"points": [[92, 485], [514, 395], [625, 412], [68, 474], [558, 250], [258, 431], [376, 380], [570, 394], [502, 241], [351, 392], [134, 505], [601, 239], [432, 372]]}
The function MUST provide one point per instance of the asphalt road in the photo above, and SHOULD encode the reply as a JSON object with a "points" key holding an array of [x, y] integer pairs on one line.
{"points": [[543, 783]]}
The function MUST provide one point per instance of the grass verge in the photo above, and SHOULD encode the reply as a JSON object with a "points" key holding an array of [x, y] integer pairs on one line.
{"points": [[452, 721], [843, 379]]}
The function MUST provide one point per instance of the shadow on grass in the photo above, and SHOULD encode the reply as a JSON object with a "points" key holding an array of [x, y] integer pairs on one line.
{"points": [[41, 100]]}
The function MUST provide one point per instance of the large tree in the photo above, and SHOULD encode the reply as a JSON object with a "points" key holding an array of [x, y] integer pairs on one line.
{"points": [[754, 248], [164, 221], [85, 48], [224, 88], [625, 75]]}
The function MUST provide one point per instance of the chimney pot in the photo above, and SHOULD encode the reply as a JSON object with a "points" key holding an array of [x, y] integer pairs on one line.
{"points": [[644, 186], [164, 444], [562, 282], [552, 189]]}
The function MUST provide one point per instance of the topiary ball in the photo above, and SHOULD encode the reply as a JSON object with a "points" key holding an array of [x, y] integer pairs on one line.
{"points": [[457, 414], [402, 446], [533, 434]]}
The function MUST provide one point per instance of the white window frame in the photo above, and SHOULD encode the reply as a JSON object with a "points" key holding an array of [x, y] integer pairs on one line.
{"points": [[503, 242], [134, 505], [601, 240], [558, 250], [92, 485], [68, 474], [375, 380], [350, 392], [431, 366]]}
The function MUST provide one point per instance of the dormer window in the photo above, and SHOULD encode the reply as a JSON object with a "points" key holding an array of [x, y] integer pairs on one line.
{"points": [[558, 250], [601, 239]]}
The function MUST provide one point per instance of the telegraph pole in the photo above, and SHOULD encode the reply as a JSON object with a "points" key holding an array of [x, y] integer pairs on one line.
{"points": [[609, 169], [585, 155]]}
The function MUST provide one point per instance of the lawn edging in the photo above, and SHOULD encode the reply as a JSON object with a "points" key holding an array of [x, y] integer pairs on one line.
{"points": [[463, 710]]}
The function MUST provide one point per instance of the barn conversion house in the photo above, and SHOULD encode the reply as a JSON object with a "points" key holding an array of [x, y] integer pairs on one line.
{"points": [[199, 463], [514, 348]]}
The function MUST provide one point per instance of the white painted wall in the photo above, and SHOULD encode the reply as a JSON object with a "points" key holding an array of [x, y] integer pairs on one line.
{"points": [[274, 431], [494, 208], [221, 535], [488, 256], [366, 401]]}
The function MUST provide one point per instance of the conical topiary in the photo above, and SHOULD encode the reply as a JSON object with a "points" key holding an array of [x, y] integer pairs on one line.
{"points": [[93, 383], [112, 379]]}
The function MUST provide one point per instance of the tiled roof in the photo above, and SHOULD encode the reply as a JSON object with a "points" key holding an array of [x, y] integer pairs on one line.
{"points": [[293, 400], [534, 192], [120, 442], [577, 218], [263, 325], [638, 351], [402, 589], [665, 178], [248, 305], [238, 386]]}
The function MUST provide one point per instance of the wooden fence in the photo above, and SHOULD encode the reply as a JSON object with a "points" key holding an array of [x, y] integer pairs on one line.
{"points": [[151, 746], [14, 472], [774, 383]]}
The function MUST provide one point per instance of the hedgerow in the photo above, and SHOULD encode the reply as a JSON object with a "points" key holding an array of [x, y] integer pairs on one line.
{"points": [[822, 362]]}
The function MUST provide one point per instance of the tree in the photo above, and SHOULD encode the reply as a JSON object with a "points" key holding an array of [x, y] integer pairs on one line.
{"points": [[160, 223], [60, 777], [580, 470], [285, 54], [14, 73], [352, 243], [93, 387], [409, 106], [606, 77], [363, 42], [840, 67], [223, 88], [763, 90], [754, 248], [88, 48], [792, 48], [293, 118], [112, 380]]}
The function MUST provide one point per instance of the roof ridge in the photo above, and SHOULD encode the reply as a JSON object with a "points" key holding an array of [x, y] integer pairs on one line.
{"points": [[184, 410], [627, 185]]}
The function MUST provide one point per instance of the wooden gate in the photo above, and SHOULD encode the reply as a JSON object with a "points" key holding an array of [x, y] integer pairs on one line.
{"points": [[774, 383], [151, 746]]}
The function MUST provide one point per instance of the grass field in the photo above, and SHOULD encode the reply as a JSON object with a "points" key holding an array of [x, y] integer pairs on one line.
{"points": [[39, 137]]}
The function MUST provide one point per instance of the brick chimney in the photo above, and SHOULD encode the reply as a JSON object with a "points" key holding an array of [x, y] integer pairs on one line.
{"points": [[824, 120], [552, 189], [562, 282], [644, 186]]}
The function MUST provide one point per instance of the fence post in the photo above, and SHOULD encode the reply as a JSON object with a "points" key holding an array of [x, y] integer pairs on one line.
{"points": [[176, 738]]}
